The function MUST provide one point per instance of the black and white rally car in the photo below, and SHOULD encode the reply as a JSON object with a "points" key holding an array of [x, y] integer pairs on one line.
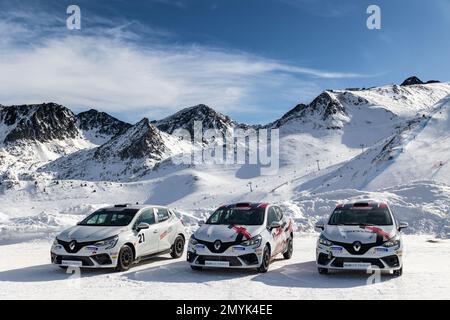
{"points": [[360, 235], [242, 235]]}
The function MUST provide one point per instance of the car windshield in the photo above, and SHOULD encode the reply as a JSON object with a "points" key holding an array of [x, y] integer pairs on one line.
{"points": [[110, 218], [235, 216], [370, 216]]}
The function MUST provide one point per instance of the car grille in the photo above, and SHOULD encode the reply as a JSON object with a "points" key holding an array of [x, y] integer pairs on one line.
{"points": [[364, 247], [78, 245], [339, 262], [223, 247], [234, 261], [87, 262]]}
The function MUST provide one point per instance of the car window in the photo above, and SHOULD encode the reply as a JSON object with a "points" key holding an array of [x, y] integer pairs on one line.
{"points": [[271, 216], [279, 213], [107, 218], [147, 217], [370, 216], [163, 214], [236, 216]]}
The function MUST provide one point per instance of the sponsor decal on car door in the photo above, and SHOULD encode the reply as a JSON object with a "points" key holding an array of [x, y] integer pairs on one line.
{"points": [[165, 228]]}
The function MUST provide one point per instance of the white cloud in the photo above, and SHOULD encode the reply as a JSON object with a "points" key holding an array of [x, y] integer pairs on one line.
{"points": [[109, 70]]}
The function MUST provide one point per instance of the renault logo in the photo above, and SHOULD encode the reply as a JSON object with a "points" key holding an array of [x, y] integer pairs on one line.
{"points": [[217, 245], [72, 245], [357, 246]]}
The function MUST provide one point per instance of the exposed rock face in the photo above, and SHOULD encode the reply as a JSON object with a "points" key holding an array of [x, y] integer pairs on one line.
{"points": [[40, 122], [139, 141], [412, 81], [185, 119], [323, 108], [101, 123]]}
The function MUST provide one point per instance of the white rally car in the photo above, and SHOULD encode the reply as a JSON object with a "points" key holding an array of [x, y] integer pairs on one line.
{"points": [[361, 235], [243, 235], [119, 236]]}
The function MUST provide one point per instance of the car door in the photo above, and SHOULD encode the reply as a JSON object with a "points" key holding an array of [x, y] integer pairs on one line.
{"points": [[284, 226], [147, 239], [277, 233], [165, 228]]}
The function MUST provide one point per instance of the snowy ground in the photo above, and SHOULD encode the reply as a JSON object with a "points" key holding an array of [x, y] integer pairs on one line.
{"points": [[25, 273]]}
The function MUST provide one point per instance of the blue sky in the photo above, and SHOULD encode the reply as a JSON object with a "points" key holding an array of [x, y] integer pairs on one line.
{"points": [[250, 59]]}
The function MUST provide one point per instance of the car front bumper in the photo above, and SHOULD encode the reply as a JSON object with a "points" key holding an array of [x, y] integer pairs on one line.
{"points": [[237, 257], [378, 257], [87, 257]]}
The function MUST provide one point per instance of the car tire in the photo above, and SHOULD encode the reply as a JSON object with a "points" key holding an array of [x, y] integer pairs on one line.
{"points": [[265, 263], [399, 272], [290, 249], [195, 268], [177, 249], [125, 259], [322, 270]]}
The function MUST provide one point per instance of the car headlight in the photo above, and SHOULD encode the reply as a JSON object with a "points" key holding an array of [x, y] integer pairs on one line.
{"points": [[193, 241], [394, 242], [108, 243], [323, 240], [253, 242]]}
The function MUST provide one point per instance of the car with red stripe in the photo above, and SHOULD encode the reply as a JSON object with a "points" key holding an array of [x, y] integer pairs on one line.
{"points": [[242, 235], [361, 235]]}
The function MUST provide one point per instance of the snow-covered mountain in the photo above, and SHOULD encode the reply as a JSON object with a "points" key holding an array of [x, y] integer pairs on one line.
{"points": [[37, 123], [209, 118], [386, 142], [127, 156], [100, 127], [33, 135]]}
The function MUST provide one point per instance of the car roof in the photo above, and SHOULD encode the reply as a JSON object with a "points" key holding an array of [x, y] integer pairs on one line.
{"points": [[120, 207], [363, 203], [251, 205]]}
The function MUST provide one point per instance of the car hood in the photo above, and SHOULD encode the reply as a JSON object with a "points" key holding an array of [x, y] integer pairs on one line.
{"points": [[87, 234], [350, 234], [226, 233]]}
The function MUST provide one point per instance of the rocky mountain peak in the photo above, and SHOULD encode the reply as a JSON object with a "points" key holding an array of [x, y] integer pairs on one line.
{"points": [[185, 119], [138, 141], [412, 81], [322, 108], [100, 126], [38, 122]]}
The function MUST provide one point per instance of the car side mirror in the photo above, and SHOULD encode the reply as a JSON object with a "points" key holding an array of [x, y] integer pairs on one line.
{"points": [[402, 225], [275, 225], [201, 222], [320, 226], [142, 226]]}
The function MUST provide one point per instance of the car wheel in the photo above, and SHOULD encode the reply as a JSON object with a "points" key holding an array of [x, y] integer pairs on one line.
{"points": [[398, 272], [289, 249], [125, 259], [177, 247], [196, 268], [323, 270], [264, 267]]}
